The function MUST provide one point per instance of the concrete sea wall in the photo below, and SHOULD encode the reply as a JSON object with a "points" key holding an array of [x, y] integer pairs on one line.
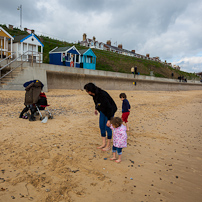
{"points": [[62, 80], [62, 77]]}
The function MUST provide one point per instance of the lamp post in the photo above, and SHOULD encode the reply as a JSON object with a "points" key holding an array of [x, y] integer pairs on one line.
{"points": [[20, 8]]}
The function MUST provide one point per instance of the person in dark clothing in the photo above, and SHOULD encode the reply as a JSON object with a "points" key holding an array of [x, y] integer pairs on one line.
{"points": [[63, 59], [106, 106], [125, 109]]}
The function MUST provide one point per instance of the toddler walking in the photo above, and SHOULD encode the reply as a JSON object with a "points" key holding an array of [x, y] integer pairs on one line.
{"points": [[125, 109], [119, 138]]}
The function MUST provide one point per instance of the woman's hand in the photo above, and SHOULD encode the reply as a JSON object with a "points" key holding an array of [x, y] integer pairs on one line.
{"points": [[108, 123]]}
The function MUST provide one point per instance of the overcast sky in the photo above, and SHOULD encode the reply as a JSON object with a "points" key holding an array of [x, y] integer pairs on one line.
{"points": [[170, 29]]}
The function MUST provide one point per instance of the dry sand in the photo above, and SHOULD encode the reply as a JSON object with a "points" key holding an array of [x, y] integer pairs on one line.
{"points": [[58, 161]]}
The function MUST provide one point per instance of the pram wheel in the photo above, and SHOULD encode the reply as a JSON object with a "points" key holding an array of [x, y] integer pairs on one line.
{"points": [[50, 117]]}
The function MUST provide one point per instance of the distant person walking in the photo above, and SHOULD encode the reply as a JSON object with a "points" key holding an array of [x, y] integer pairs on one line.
{"points": [[106, 106], [125, 109]]}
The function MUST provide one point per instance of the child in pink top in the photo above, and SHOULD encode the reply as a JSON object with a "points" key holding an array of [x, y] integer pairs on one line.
{"points": [[119, 138]]}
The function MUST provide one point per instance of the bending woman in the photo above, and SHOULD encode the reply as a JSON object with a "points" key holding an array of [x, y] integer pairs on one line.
{"points": [[106, 106]]}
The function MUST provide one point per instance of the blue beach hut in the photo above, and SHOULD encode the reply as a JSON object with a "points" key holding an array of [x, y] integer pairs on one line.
{"points": [[88, 59], [71, 54]]}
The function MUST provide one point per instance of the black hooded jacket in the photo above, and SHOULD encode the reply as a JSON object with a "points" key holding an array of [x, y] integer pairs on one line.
{"points": [[104, 103]]}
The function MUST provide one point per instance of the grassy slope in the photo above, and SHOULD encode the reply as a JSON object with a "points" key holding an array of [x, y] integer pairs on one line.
{"points": [[109, 61]]}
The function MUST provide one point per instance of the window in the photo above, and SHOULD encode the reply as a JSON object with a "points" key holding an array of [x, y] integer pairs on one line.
{"points": [[93, 60], [77, 58], [89, 59], [81, 59], [68, 57]]}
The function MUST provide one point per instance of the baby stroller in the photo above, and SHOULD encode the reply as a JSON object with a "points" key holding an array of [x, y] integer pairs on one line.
{"points": [[35, 100], [43, 105]]}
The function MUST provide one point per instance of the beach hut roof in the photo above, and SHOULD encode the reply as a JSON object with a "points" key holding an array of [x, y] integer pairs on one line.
{"points": [[61, 49], [22, 38], [89, 52], [83, 51], [6, 33], [69, 49]]}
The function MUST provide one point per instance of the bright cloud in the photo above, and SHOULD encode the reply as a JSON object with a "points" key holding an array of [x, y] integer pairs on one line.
{"points": [[190, 63]]}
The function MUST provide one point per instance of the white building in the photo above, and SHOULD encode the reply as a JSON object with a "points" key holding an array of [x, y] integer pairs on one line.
{"points": [[28, 48]]}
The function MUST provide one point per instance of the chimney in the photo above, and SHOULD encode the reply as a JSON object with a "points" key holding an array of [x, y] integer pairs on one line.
{"points": [[84, 36], [94, 38], [133, 51], [10, 27], [120, 46], [147, 55], [109, 42], [41, 39], [32, 31]]}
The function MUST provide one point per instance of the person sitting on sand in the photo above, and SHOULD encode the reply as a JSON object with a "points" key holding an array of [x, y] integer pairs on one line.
{"points": [[119, 138], [106, 106]]}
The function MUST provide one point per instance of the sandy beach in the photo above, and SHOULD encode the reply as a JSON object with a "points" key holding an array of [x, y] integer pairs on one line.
{"points": [[58, 161]]}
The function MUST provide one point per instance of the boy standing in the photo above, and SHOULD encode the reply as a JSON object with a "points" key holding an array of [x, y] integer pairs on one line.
{"points": [[125, 109]]}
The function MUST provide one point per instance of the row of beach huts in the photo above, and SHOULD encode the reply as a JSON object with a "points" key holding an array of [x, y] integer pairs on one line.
{"points": [[30, 48]]}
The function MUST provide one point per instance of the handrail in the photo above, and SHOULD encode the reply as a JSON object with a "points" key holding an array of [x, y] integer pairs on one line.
{"points": [[24, 54], [10, 71], [11, 62], [8, 64], [7, 57], [21, 62]]}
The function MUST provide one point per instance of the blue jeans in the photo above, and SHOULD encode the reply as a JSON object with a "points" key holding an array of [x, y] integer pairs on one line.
{"points": [[119, 150], [103, 128]]}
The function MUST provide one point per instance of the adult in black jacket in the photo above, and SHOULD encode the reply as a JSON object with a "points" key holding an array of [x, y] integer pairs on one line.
{"points": [[107, 108]]}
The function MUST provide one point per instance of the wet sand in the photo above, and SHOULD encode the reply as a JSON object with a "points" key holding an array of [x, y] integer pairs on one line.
{"points": [[59, 160]]}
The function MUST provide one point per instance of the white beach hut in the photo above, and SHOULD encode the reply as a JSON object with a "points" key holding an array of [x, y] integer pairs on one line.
{"points": [[28, 48]]}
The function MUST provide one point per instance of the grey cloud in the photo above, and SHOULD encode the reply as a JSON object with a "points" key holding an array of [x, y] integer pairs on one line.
{"points": [[30, 12], [169, 29]]}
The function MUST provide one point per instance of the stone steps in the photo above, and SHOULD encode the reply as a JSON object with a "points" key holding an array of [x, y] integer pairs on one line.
{"points": [[12, 75]]}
